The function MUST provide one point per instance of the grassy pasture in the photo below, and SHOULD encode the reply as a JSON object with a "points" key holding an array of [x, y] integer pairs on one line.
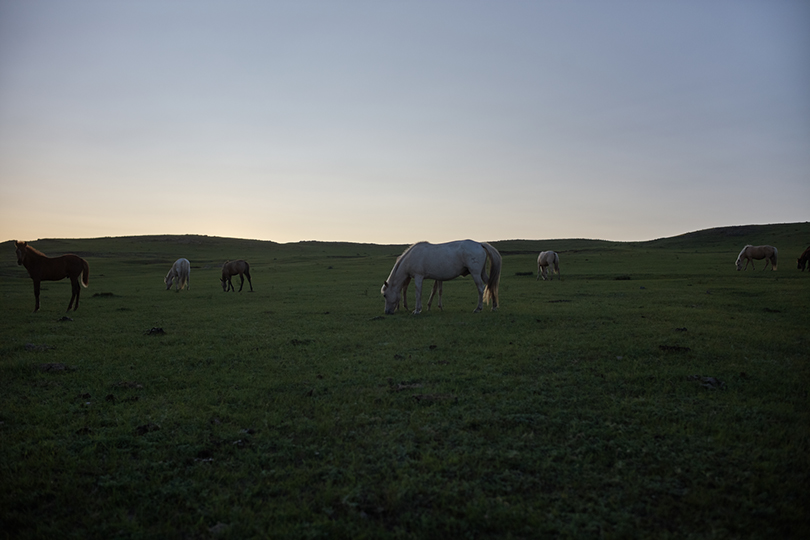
{"points": [[654, 391]]}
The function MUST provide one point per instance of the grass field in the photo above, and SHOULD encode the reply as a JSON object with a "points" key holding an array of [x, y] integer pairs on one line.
{"points": [[653, 392]]}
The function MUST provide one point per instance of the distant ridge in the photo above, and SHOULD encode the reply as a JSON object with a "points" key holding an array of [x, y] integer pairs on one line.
{"points": [[732, 234], [728, 231], [785, 234]]}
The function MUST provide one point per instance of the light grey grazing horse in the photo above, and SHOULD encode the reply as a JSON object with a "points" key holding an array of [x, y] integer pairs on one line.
{"points": [[443, 262], [179, 275], [546, 259]]}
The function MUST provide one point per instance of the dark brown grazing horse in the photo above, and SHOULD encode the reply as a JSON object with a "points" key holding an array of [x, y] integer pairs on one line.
{"points": [[231, 268], [804, 259], [42, 268]]}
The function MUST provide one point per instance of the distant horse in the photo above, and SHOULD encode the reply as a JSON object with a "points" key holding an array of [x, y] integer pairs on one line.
{"points": [[43, 268], [179, 275], [231, 268], [749, 253], [437, 287], [443, 262], [546, 259], [804, 259]]}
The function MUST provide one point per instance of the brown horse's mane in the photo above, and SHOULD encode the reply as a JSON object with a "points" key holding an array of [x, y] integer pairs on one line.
{"points": [[34, 250]]}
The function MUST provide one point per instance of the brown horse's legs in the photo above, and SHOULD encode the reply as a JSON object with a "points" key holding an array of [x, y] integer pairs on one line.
{"points": [[249, 281], [75, 290], [36, 296]]}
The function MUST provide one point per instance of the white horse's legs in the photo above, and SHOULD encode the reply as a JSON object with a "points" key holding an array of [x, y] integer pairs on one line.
{"points": [[480, 284], [404, 293], [418, 284], [437, 286]]}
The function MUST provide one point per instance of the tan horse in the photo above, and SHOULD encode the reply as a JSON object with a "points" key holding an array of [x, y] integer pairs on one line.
{"points": [[231, 268], [803, 259], [443, 262], [179, 275], [43, 268], [546, 259], [749, 253]]}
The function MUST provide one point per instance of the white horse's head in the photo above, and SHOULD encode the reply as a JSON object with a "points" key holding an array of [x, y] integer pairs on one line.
{"points": [[391, 295], [169, 280]]}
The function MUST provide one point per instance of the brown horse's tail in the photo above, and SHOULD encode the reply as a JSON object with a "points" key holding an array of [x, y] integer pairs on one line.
{"points": [[85, 274], [773, 260], [491, 291]]}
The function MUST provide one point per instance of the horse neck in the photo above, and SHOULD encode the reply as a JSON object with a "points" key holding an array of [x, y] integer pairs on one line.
{"points": [[32, 256], [398, 275]]}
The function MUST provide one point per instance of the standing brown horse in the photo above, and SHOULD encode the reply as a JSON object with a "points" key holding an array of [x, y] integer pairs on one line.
{"points": [[803, 259], [43, 268], [231, 268]]}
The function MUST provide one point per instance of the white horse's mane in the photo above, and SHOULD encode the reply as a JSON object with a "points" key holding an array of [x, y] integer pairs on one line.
{"points": [[401, 258], [743, 251]]}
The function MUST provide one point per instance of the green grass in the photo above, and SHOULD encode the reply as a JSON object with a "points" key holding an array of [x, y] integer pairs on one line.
{"points": [[300, 411]]}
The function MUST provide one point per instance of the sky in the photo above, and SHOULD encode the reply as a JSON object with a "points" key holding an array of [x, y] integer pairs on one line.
{"points": [[392, 122]]}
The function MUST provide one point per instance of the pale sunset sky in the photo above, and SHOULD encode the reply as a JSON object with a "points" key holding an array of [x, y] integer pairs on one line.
{"points": [[397, 121]]}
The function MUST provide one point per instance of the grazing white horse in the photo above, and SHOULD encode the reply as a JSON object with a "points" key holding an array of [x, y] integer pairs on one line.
{"points": [[546, 259], [749, 253], [443, 262], [179, 275]]}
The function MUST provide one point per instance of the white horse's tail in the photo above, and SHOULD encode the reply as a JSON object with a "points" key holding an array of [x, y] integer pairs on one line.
{"points": [[773, 261], [491, 290]]}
